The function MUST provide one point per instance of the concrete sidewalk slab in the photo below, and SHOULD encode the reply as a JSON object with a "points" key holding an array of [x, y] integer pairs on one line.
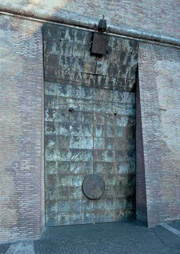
{"points": [[168, 237], [175, 224]]}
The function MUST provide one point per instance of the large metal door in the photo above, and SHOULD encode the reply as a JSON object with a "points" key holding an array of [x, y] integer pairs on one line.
{"points": [[89, 128]]}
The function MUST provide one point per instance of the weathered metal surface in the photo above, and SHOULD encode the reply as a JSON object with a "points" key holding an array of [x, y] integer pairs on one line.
{"points": [[67, 58], [93, 186], [99, 44], [89, 126]]}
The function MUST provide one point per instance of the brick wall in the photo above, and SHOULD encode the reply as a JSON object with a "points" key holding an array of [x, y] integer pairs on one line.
{"points": [[21, 135], [155, 16], [21, 116], [141, 205], [159, 93]]}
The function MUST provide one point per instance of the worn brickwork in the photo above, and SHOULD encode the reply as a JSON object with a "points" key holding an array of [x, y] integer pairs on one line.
{"points": [[159, 79], [21, 158], [141, 205], [155, 16], [89, 126]]}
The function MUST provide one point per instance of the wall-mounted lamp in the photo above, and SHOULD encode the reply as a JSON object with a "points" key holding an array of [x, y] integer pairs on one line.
{"points": [[102, 26]]}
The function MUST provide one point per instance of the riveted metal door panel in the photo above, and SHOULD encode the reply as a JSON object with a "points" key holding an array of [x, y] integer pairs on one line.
{"points": [[89, 127]]}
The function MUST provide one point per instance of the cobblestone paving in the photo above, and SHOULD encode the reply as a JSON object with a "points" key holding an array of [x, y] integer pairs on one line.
{"points": [[107, 238]]}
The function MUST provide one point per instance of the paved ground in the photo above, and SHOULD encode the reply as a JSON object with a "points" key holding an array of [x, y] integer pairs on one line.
{"points": [[107, 238]]}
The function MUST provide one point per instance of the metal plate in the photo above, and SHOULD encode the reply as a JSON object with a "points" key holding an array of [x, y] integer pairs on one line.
{"points": [[93, 186], [99, 45]]}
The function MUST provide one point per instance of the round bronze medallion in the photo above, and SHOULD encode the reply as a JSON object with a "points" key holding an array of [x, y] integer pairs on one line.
{"points": [[93, 186]]}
